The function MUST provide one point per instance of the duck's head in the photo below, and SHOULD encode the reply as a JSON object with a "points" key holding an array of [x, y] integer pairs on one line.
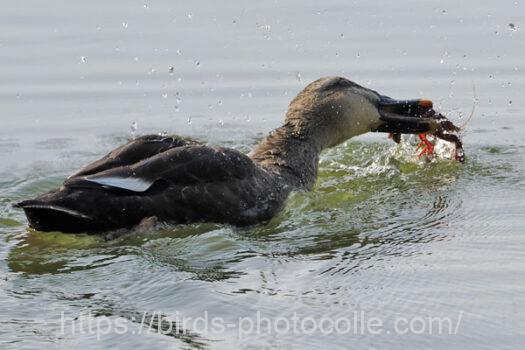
{"points": [[333, 109]]}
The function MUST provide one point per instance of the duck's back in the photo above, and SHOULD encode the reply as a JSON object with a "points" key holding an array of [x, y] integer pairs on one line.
{"points": [[173, 179]]}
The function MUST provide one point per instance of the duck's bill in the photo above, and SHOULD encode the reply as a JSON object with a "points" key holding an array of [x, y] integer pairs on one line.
{"points": [[416, 117], [406, 116]]}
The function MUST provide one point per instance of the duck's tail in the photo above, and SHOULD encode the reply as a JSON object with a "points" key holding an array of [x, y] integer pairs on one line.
{"points": [[44, 216], [91, 210]]}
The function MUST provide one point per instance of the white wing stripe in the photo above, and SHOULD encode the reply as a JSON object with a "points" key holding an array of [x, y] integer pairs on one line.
{"points": [[134, 184]]}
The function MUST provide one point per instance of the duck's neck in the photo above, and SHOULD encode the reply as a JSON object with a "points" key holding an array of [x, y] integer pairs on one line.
{"points": [[291, 155]]}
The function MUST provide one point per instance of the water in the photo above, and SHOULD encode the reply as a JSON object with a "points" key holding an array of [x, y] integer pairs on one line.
{"points": [[382, 234]]}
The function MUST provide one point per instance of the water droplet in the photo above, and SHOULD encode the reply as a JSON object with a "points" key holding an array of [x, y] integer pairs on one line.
{"points": [[136, 59], [190, 16], [234, 22], [197, 63], [165, 95], [134, 126], [443, 12], [152, 71], [298, 76], [125, 24], [177, 108], [219, 103], [441, 61], [171, 69], [513, 27], [146, 6], [358, 55], [221, 122], [189, 120], [510, 102], [83, 59], [342, 35]]}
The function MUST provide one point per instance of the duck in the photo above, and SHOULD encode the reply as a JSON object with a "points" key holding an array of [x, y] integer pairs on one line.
{"points": [[179, 180]]}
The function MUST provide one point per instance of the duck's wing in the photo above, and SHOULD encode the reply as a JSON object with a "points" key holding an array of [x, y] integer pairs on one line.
{"points": [[181, 166], [141, 148], [181, 185]]}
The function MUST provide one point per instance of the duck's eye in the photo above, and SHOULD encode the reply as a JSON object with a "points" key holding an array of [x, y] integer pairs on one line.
{"points": [[345, 83], [336, 83]]}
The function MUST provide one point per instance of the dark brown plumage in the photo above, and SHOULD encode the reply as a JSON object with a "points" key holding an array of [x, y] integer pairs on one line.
{"points": [[182, 181]]}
